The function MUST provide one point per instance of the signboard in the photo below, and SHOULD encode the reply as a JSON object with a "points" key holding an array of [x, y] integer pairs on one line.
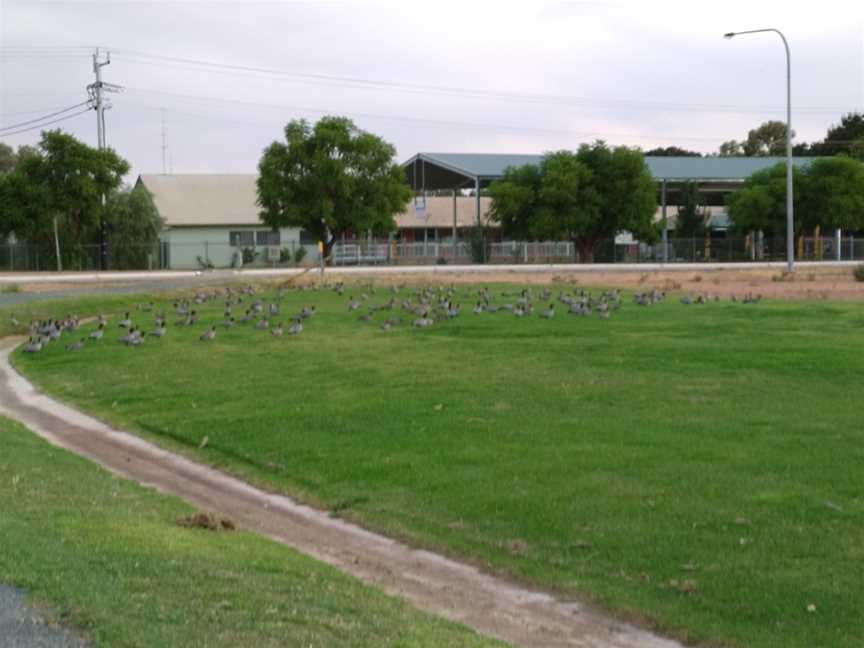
{"points": [[420, 206]]}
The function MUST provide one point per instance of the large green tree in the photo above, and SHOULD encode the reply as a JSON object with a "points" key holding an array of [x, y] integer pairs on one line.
{"points": [[7, 158], [584, 197], [691, 211], [330, 179], [845, 137], [60, 183], [829, 193], [768, 139], [134, 225], [833, 194]]}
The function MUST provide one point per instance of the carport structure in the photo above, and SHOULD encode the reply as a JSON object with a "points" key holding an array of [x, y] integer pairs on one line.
{"points": [[716, 176]]}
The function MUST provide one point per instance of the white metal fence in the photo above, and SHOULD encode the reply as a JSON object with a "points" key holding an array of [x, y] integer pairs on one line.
{"points": [[204, 254]]}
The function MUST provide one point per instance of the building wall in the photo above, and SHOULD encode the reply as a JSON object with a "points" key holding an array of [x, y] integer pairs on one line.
{"points": [[182, 246]]}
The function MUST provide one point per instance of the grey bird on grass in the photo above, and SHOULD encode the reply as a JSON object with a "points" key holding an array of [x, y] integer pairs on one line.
{"points": [[76, 346]]}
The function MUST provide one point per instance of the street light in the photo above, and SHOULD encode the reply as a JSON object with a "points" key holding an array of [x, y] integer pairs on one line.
{"points": [[790, 218]]}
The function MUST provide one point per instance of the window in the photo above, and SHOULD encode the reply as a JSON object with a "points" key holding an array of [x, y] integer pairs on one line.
{"points": [[307, 238], [267, 237], [241, 239]]}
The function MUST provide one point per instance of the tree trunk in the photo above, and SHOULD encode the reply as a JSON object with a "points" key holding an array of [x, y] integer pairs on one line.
{"points": [[327, 249], [584, 251]]}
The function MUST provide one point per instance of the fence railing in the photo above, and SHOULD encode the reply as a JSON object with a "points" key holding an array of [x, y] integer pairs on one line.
{"points": [[205, 254]]}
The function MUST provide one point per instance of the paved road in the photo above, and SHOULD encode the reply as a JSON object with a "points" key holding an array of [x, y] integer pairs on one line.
{"points": [[22, 627]]}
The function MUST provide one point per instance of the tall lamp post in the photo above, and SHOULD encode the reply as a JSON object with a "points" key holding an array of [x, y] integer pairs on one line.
{"points": [[790, 218]]}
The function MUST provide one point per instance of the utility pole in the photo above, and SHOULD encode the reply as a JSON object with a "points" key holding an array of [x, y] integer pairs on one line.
{"points": [[96, 94]]}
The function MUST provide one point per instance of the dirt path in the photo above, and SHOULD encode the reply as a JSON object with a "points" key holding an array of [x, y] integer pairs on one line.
{"points": [[439, 585]]}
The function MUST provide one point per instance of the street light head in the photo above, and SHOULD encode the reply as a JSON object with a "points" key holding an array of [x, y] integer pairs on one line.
{"points": [[728, 35]]}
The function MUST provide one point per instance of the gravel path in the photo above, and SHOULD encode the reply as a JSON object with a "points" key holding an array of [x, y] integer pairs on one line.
{"points": [[491, 605], [22, 627]]}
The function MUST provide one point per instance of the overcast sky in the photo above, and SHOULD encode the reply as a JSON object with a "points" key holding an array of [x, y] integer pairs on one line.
{"points": [[518, 77]]}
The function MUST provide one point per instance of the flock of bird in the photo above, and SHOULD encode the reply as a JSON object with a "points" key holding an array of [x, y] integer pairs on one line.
{"points": [[258, 314], [423, 307]]}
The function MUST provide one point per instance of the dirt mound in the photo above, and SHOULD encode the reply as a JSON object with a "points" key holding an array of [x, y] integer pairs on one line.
{"points": [[206, 521]]}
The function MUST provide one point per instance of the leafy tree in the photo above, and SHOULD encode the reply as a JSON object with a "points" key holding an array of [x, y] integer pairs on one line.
{"points": [[515, 200], [7, 158], [761, 203], [583, 197], [331, 179], [766, 140], [731, 148], [857, 149], [834, 193], [133, 227], [691, 213], [845, 137], [62, 180], [671, 151]]}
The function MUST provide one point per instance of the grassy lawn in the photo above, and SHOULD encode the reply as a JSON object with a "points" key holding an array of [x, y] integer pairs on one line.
{"points": [[80, 305], [696, 466], [107, 558]]}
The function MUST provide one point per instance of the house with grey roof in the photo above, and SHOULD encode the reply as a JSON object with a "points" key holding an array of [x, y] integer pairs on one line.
{"points": [[213, 218]]}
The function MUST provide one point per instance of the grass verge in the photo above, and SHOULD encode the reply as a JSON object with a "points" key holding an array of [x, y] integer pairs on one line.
{"points": [[105, 556]]}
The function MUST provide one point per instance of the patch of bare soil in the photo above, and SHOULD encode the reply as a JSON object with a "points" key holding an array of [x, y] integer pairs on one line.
{"points": [[491, 605], [810, 283]]}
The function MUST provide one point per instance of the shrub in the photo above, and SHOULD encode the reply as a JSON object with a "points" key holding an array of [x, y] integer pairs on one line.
{"points": [[248, 255], [285, 255], [441, 261], [477, 244], [299, 255], [858, 272]]}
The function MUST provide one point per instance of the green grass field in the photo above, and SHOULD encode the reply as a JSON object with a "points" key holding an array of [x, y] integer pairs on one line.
{"points": [[696, 467], [106, 557]]}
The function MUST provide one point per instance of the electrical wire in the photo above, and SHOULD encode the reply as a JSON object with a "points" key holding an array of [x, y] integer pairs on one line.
{"points": [[135, 56], [416, 120], [43, 117], [55, 121]]}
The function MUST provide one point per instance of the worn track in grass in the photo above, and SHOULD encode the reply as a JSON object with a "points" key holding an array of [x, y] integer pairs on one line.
{"points": [[491, 605]]}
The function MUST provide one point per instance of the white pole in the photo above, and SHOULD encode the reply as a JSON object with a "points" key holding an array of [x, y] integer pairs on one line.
{"points": [[57, 247], [790, 216]]}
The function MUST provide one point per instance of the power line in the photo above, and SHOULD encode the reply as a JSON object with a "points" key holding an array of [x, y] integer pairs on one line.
{"points": [[473, 93], [420, 120], [43, 117], [29, 112], [56, 121]]}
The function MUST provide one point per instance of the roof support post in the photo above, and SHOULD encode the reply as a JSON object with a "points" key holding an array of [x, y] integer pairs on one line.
{"points": [[455, 241], [665, 226], [477, 198]]}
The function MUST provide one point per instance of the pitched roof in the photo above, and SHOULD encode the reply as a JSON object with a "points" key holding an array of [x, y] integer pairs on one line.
{"points": [[491, 165], [204, 199], [187, 200]]}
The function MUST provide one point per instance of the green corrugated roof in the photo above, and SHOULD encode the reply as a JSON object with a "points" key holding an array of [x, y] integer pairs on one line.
{"points": [[492, 165]]}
